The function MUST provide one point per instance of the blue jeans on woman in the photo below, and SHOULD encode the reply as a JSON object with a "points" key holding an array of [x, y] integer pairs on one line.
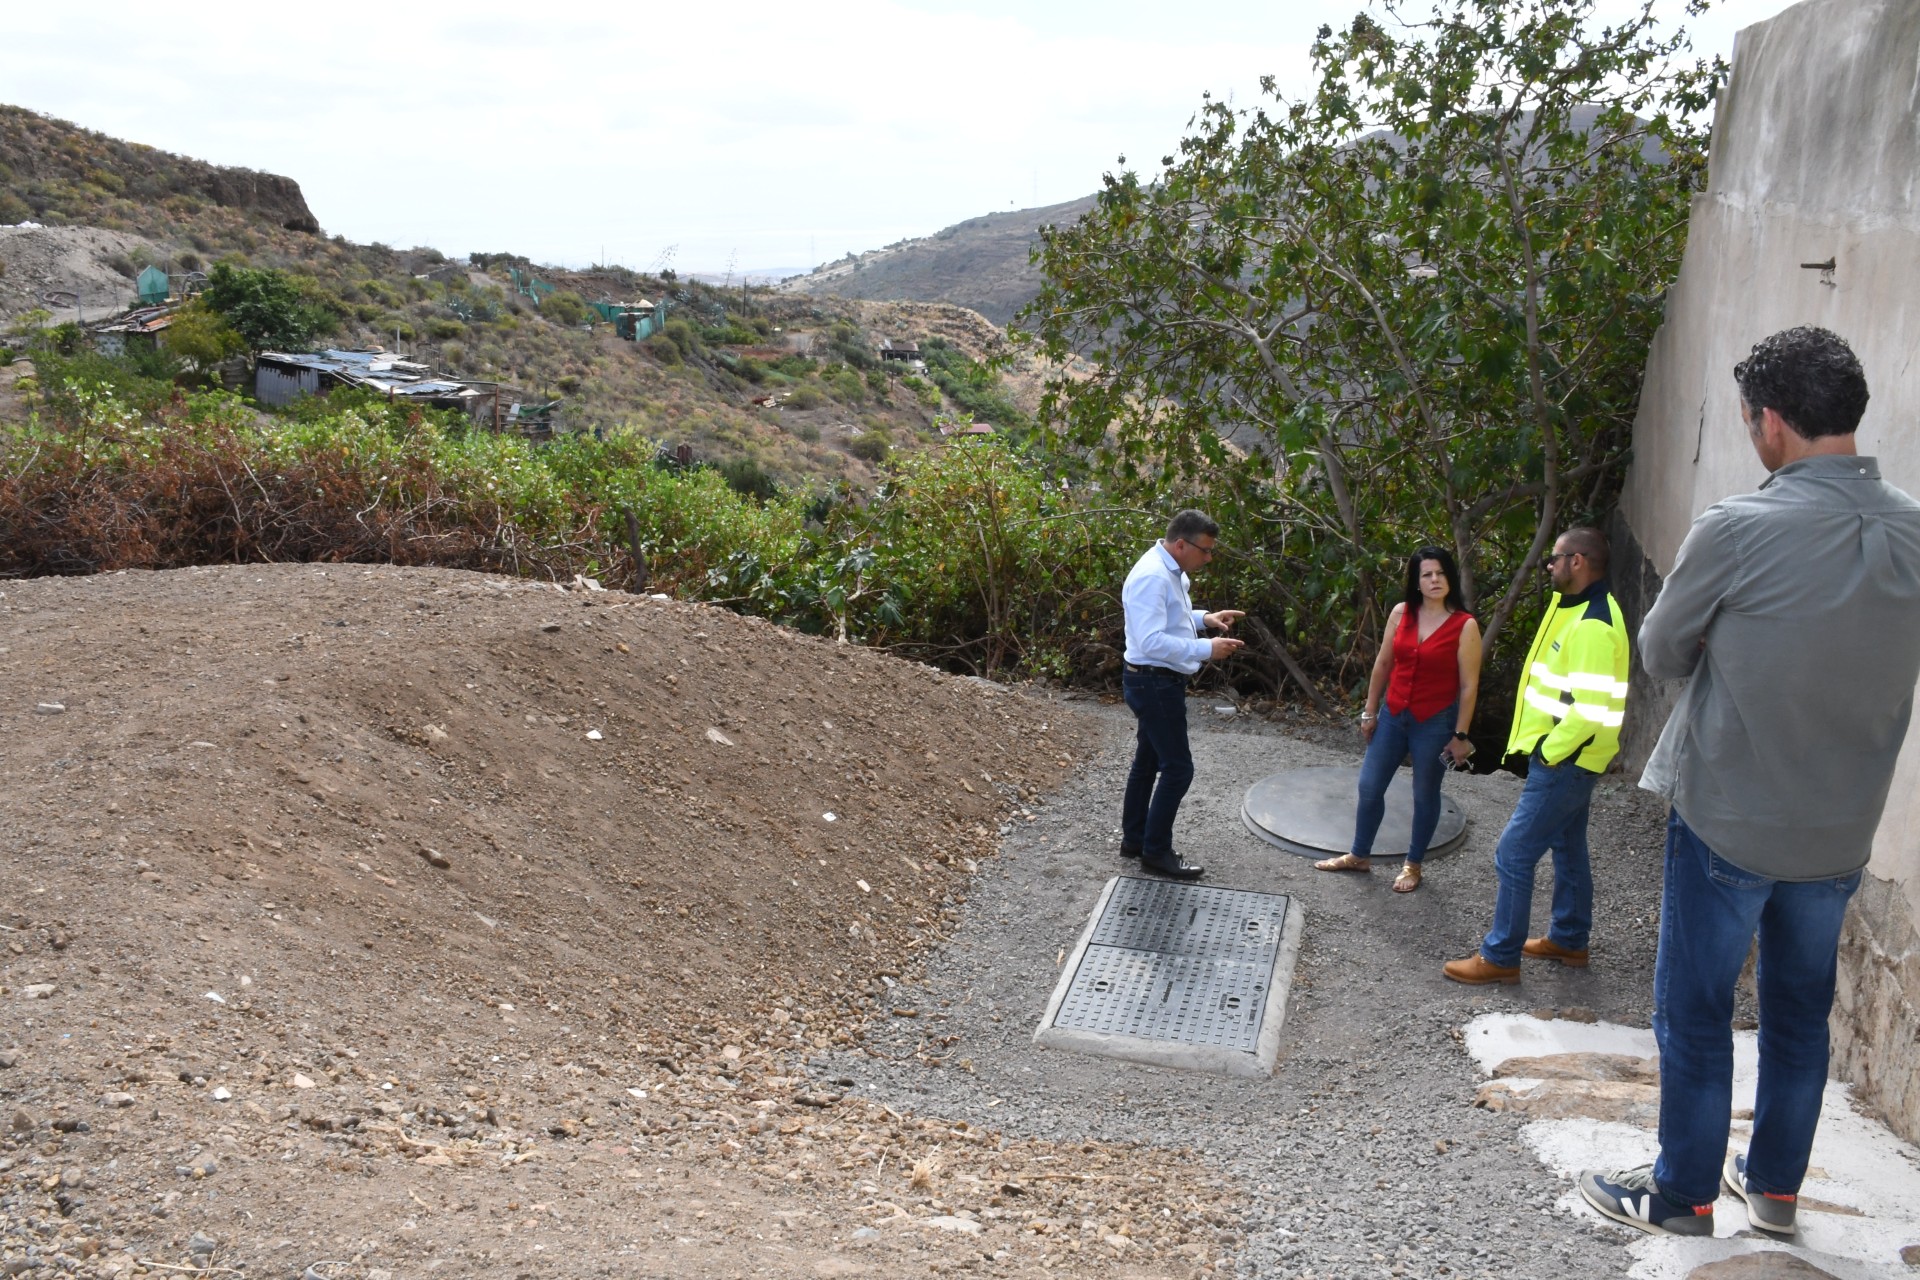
{"points": [[1395, 735], [1709, 912], [1162, 763], [1552, 814]]}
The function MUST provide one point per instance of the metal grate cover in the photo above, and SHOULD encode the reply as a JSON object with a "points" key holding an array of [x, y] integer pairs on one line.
{"points": [[1167, 997], [1189, 920], [1179, 974]]}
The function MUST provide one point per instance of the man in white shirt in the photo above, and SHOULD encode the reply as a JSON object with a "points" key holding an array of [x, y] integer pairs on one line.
{"points": [[1164, 647]]}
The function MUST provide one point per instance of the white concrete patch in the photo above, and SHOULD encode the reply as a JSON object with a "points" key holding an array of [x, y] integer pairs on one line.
{"points": [[1857, 1163], [1495, 1037]]}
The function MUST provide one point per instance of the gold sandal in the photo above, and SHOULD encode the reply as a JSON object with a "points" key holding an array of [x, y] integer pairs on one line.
{"points": [[1409, 878], [1345, 862]]}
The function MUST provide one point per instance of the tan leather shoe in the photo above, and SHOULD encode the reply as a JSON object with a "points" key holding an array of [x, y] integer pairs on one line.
{"points": [[1476, 971], [1546, 949]]}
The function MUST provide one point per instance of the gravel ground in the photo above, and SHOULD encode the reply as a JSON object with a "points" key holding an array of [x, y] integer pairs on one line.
{"points": [[1363, 1153]]}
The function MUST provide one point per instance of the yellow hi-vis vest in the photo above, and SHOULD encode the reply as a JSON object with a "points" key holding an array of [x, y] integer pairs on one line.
{"points": [[1573, 690]]}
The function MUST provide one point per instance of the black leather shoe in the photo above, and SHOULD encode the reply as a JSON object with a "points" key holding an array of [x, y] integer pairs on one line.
{"points": [[1178, 869], [1130, 850]]}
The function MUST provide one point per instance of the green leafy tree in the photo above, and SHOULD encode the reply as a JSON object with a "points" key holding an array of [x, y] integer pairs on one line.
{"points": [[1413, 306], [267, 308], [201, 338]]}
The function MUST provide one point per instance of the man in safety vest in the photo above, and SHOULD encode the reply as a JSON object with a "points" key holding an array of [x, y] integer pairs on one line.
{"points": [[1573, 693]]}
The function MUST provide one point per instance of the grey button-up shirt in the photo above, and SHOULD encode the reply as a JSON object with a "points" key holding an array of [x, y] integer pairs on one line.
{"points": [[1794, 612]]}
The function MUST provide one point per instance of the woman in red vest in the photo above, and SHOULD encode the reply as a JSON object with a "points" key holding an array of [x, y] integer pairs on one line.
{"points": [[1428, 668]]}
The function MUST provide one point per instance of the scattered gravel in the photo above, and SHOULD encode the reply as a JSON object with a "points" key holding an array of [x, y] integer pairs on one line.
{"points": [[1363, 1153]]}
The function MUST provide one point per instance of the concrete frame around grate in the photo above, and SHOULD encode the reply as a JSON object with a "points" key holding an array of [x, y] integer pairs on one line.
{"points": [[1234, 951]]}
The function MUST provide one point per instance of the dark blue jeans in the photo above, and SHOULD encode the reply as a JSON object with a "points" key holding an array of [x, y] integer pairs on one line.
{"points": [[1159, 704], [1552, 814], [1394, 736], [1709, 912]]}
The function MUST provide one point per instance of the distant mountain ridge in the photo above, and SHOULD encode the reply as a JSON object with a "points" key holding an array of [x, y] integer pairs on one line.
{"points": [[981, 263]]}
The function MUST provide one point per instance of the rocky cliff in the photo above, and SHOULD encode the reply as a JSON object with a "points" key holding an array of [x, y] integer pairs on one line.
{"points": [[55, 172]]}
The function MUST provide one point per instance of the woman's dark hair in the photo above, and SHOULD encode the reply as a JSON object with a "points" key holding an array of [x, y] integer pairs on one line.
{"points": [[1447, 566]]}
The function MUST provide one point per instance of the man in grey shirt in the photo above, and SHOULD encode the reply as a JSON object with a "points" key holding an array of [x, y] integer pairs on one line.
{"points": [[1794, 612]]}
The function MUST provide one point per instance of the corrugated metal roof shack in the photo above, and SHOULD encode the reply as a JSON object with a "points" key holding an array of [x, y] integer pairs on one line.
{"points": [[280, 378], [143, 325]]}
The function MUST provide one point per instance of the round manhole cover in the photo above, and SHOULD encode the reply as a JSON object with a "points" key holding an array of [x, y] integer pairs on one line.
{"points": [[1310, 812]]}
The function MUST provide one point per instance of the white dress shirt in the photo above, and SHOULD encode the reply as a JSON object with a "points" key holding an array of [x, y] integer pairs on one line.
{"points": [[1163, 627]]}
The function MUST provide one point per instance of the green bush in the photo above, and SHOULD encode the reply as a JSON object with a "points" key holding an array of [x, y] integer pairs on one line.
{"points": [[66, 339], [969, 384], [662, 348], [808, 432], [923, 391], [870, 446], [846, 341], [438, 328], [729, 335], [846, 386], [685, 337], [806, 396], [564, 307], [745, 477]]}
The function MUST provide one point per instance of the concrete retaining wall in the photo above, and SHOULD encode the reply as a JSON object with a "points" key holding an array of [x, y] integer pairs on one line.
{"points": [[1816, 157]]}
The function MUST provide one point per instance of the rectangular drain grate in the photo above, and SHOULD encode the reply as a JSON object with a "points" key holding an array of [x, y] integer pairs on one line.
{"points": [[1179, 974], [1187, 919]]}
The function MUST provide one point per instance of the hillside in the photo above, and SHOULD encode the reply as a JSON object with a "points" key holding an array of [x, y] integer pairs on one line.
{"points": [[980, 264], [789, 383], [53, 173]]}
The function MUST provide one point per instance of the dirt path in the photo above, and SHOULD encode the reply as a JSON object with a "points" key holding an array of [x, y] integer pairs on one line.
{"points": [[1363, 1155]]}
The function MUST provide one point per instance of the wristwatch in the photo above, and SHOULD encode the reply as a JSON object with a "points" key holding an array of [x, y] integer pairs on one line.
{"points": [[1460, 737]]}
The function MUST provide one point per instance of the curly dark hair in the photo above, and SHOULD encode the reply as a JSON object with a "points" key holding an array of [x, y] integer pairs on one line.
{"points": [[1447, 566], [1810, 377]]}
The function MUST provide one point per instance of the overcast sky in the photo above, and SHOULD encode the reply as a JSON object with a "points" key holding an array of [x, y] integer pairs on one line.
{"points": [[777, 135]]}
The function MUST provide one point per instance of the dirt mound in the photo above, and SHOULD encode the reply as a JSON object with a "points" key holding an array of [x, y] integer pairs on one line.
{"points": [[681, 802], [424, 918]]}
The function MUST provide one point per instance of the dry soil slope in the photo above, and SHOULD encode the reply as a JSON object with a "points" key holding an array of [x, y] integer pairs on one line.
{"points": [[339, 894]]}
